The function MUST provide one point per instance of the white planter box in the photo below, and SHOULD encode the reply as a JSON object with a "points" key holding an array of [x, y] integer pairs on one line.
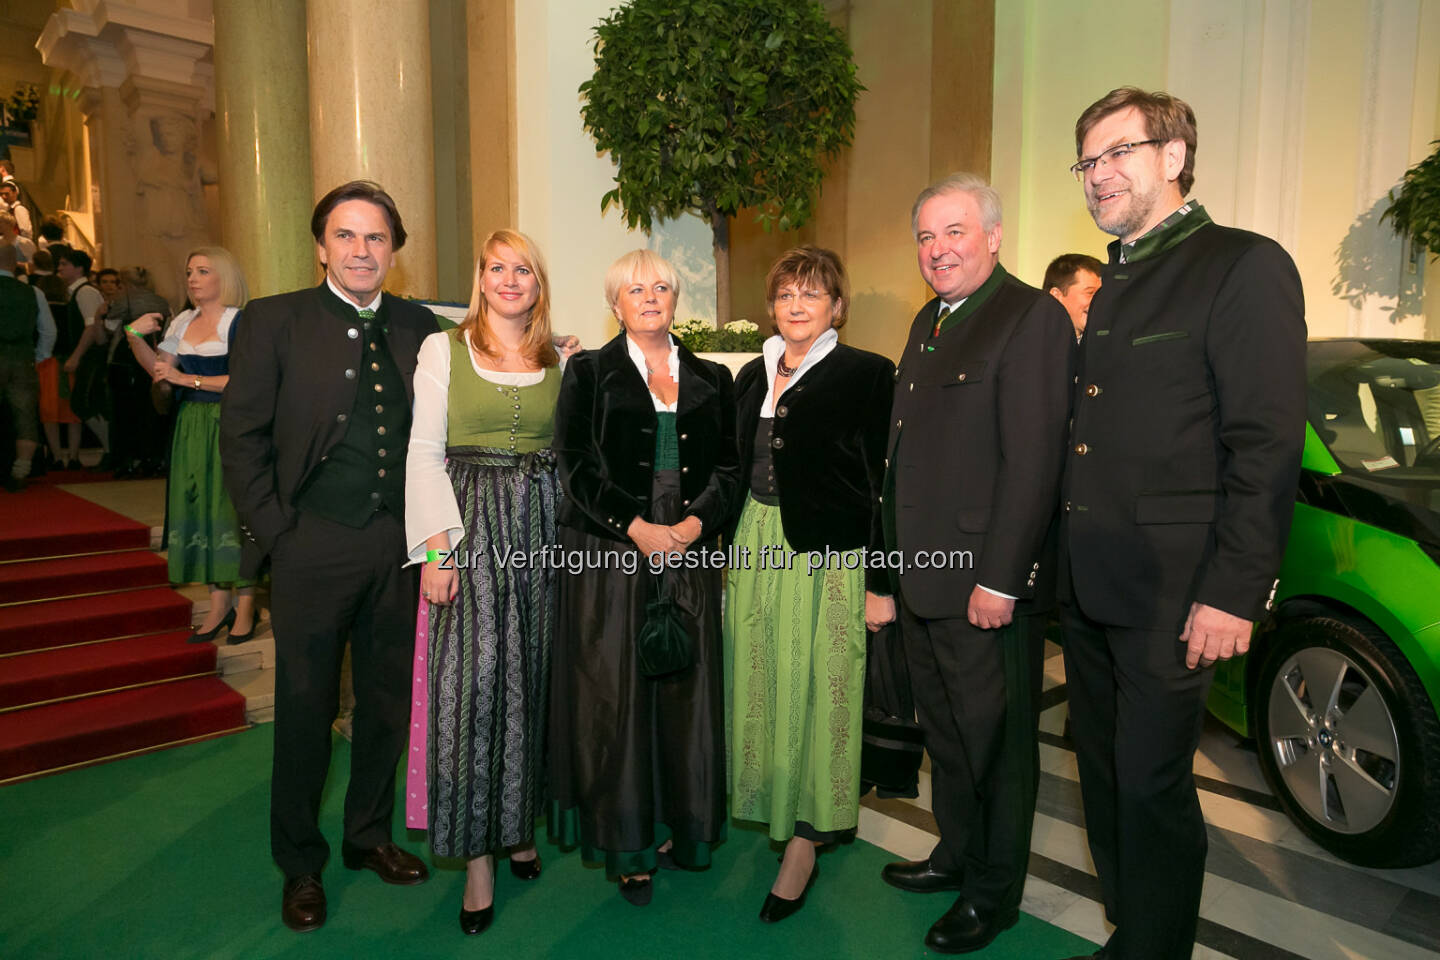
{"points": [[727, 359]]}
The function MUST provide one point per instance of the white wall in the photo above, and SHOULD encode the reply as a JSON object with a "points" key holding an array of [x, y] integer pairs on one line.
{"points": [[1308, 112], [561, 179]]}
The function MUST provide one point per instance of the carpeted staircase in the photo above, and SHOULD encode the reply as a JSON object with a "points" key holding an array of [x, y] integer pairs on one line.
{"points": [[93, 659]]}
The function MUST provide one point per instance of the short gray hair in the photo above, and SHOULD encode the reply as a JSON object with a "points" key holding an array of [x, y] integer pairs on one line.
{"points": [[986, 196]]}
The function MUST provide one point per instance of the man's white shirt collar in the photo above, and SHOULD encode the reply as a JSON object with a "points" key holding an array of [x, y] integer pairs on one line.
{"points": [[372, 305]]}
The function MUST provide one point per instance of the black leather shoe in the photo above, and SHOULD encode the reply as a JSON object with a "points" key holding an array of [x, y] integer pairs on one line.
{"points": [[776, 908], [918, 876], [962, 929], [637, 890], [525, 869], [302, 903], [475, 921], [390, 862]]}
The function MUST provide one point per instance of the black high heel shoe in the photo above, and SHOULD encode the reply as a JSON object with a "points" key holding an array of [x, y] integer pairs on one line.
{"points": [[526, 869], [637, 890], [226, 622], [233, 638], [475, 921], [775, 909]]}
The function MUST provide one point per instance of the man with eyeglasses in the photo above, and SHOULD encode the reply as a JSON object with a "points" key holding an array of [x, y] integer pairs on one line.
{"points": [[1189, 416]]}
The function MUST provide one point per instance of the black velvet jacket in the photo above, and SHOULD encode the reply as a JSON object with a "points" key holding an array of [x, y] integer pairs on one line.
{"points": [[828, 447], [605, 442]]}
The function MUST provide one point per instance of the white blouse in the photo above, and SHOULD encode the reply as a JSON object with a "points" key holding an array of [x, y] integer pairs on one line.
{"points": [[637, 357], [774, 349], [430, 505], [176, 345]]}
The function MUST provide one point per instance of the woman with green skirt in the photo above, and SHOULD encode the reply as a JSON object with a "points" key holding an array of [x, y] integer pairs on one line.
{"points": [[812, 421], [202, 537]]}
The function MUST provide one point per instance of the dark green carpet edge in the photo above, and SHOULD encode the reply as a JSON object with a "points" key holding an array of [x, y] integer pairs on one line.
{"points": [[167, 856]]}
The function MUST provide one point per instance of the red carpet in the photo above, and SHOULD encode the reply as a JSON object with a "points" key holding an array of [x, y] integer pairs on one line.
{"points": [[60, 735], [93, 659], [80, 576], [45, 522]]}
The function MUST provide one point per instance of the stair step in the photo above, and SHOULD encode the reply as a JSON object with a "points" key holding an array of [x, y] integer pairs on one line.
{"points": [[57, 623], [25, 582], [70, 526], [59, 736], [48, 675]]}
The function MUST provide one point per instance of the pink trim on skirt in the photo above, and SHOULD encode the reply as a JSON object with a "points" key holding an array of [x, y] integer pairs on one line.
{"points": [[417, 805]]}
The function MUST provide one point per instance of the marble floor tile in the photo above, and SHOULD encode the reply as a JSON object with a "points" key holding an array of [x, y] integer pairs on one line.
{"points": [[1047, 900], [1305, 931]]}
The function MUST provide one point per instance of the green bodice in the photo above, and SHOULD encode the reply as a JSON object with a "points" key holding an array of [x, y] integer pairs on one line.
{"points": [[480, 413]]}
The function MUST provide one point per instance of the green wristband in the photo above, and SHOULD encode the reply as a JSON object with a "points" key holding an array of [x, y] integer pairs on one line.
{"points": [[431, 556]]}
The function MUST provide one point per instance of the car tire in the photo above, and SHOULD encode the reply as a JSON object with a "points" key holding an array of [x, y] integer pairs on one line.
{"points": [[1349, 741]]}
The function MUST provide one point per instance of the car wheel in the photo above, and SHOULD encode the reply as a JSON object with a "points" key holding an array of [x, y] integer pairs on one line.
{"points": [[1349, 742]]}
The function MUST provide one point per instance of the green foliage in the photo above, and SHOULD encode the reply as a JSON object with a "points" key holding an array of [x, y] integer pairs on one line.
{"points": [[23, 104], [713, 106], [737, 336], [1414, 210]]}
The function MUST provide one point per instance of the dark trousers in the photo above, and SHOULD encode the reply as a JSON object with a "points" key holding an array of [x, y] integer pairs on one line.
{"points": [[330, 582], [1136, 712], [975, 694], [137, 432]]}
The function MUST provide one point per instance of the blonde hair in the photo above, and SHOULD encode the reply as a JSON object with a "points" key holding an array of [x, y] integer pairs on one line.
{"points": [[232, 282], [633, 264], [538, 346]]}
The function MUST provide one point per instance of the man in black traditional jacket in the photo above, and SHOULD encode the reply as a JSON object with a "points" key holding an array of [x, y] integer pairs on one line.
{"points": [[313, 433], [976, 444], [1179, 487]]}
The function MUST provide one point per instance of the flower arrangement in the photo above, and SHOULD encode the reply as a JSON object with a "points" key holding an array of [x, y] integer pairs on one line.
{"points": [[737, 336], [23, 104]]}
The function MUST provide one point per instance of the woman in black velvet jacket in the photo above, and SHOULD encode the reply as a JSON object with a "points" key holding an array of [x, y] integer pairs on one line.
{"points": [[645, 442], [813, 417]]}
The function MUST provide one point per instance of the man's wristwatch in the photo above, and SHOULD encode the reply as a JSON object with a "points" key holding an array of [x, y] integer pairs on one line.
{"points": [[197, 383]]}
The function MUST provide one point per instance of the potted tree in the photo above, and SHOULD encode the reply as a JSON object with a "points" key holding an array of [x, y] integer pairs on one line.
{"points": [[714, 106], [1414, 209]]}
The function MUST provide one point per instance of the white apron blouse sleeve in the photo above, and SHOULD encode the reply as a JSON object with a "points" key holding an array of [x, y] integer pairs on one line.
{"points": [[430, 505]]}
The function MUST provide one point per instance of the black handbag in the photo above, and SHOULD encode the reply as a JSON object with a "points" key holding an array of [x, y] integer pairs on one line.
{"points": [[892, 745], [664, 645]]}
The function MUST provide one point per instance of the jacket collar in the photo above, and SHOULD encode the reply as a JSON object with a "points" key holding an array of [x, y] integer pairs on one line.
{"points": [[617, 372]]}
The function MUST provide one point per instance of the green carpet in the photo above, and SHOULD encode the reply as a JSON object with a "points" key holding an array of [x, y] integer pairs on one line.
{"points": [[167, 856]]}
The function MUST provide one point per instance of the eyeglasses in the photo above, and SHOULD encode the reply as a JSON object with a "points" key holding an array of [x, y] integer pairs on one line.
{"points": [[1118, 152]]}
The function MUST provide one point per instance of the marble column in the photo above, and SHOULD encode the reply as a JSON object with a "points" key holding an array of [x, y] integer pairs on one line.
{"points": [[371, 116], [262, 110]]}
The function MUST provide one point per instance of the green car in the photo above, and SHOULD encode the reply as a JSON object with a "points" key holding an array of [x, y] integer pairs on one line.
{"points": [[1341, 688]]}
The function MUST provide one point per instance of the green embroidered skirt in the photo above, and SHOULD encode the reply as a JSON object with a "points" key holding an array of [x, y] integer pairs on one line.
{"points": [[795, 649], [202, 537]]}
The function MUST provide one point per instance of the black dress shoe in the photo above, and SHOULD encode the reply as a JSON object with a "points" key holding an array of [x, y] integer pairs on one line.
{"points": [[776, 908], [475, 921], [637, 890], [918, 876], [526, 869], [390, 862], [962, 929], [302, 903]]}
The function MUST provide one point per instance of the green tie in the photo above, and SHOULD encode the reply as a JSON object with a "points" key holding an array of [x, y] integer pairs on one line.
{"points": [[367, 314], [940, 319]]}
